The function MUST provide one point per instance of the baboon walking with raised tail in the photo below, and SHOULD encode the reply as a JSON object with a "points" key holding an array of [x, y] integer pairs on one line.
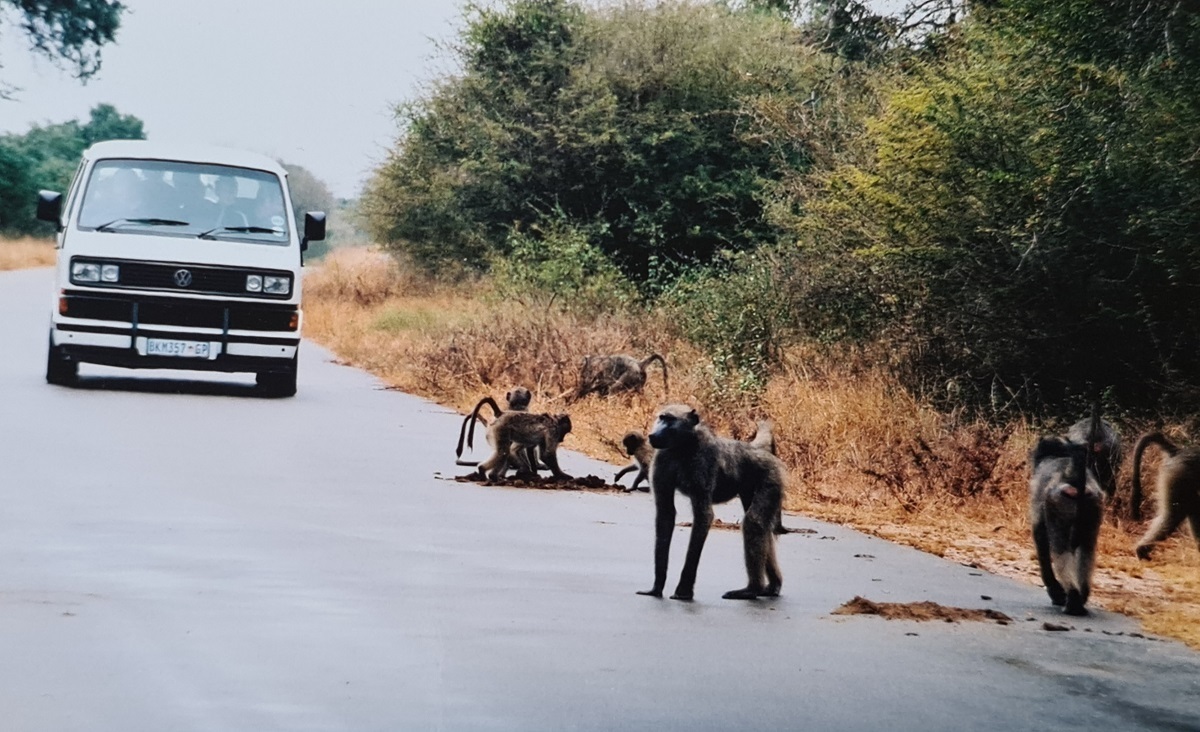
{"points": [[1178, 491], [709, 469], [517, 399], [605, 375]]}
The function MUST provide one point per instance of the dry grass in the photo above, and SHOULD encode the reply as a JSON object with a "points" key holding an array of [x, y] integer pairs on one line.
{"points": [[860, 451], [26, 252]]}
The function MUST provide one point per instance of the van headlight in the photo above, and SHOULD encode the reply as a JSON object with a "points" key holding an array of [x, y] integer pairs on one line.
{"points": [[254, 283], [276, 285], [110, 273], [85, 272]]}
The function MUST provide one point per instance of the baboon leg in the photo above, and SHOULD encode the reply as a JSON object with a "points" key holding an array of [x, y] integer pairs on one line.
{"points": [[1078, 597], [622, 472], [640, 478], [779, 527], [774, 576], [1058, 596], [757, 545], [702, 518], [664, 526], [551, 461], [1168, 519], [1194, 522]]}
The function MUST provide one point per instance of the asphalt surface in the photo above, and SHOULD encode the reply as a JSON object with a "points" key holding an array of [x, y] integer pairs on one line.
{"points": [[181, 555]]}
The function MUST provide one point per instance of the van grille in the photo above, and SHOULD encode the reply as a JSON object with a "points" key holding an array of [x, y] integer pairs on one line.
{"points": [[204, 279], [180, 312]]}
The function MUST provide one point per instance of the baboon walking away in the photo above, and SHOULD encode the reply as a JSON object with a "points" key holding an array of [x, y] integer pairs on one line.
{"points": [[1066, 505], [1178, 491], [709, 469], [606, 375]]}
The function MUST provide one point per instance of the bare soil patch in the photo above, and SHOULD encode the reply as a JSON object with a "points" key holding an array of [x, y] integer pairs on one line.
{"points": [[920, 611]]}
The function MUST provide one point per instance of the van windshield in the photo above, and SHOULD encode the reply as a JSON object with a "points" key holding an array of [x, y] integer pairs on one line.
{"points": [[172, 198]]}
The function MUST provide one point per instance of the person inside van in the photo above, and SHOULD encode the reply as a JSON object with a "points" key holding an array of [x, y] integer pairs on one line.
{"points": [[229, 209]]}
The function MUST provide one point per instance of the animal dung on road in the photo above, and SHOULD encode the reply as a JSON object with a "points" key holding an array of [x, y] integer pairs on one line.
{"points": [[919, 611], [588, 482]]}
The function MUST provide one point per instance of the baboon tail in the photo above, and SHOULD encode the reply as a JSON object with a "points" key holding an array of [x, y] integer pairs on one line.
{"points": [[1095, 432], [1151, 438], [473, 418], [655, 357], [764, 438]]}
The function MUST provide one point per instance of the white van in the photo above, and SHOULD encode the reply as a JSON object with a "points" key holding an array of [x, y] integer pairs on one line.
{"points": [[177, 257]]}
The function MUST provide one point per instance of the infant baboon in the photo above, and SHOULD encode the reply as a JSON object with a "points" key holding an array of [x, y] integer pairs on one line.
{"points": [[639, 449], [606, 375], [518, 400], [710, 469], [1178, 491], [1105, 448], [514, 432], [1066, 505]]}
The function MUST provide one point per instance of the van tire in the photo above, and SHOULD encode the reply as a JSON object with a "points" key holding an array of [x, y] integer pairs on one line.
{"points": [[278, 383], [60, 370]]}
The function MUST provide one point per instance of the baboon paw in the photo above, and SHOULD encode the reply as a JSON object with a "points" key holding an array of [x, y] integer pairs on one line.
{"points": [[644, 489], [650, 593], [769, 592], [743, 594], [1058, 599], [1076, 610], [1143, 552], [684, 596]]}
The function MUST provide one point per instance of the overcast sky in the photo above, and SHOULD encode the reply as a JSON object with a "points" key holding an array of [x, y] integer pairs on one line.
{"points": [[308, 81]]}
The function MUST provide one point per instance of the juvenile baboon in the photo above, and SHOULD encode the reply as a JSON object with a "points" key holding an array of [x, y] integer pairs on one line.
{"points": [[514, 432], [1066, 505], [639, 449], [1105, 446], [606, 375], [1178, 491], [710, 469], [518, 400]]}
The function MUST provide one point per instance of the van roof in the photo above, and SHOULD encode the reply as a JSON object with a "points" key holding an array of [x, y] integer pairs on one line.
{"points": [[147, 150]]}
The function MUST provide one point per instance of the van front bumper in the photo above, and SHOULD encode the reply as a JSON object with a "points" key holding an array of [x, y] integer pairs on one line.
{"points": [[119, 337]]}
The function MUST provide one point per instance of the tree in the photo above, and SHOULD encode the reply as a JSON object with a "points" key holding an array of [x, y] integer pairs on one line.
{"points": [[309, 193], [68, 32]]}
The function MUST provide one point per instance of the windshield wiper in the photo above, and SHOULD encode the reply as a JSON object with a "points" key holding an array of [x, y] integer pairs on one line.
{"points": [[239, 229], [146, 222]]}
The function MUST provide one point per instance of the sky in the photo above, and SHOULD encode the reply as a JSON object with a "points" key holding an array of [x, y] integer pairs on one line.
{"points": [[311, 82]]}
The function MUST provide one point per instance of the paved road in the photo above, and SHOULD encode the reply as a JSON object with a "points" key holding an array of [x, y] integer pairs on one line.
{"points": [[208, 560]]}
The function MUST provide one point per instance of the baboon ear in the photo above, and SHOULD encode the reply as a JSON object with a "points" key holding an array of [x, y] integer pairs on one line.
{"points": [[693, 417]]}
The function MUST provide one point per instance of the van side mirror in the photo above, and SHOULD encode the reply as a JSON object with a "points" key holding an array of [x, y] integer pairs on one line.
{"points": [[314, 228], [49, 208]]}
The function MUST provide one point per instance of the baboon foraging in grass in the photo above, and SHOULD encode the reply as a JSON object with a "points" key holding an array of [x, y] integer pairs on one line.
{"points": [[710, 469], [1178, 491], [606, 375], [518, 400], [639, 449], [1066, 505], [514, 432], [1105, 446]]}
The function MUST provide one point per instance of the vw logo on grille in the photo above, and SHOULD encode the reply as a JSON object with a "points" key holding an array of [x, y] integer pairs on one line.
{"points": [[183, 278]]}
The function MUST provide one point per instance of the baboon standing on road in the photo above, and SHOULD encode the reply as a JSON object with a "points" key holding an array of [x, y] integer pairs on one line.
{"points": [[517, 399], [514, 432], [606, 375], [1178, 491], [710, 469], [1066, 505], [639, 449]]}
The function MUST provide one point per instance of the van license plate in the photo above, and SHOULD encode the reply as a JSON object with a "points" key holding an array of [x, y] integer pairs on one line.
{"points": [[183, 349]]}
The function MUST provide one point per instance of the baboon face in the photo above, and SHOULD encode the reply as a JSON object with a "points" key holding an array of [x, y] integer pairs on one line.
{"points": [[633, 442], [518, 399], [674, 426]]}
